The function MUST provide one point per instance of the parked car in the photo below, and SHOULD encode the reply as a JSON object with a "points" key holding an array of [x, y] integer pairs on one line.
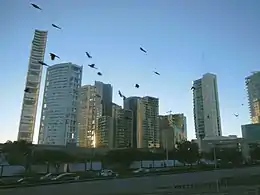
{"points": [[107, 173], [66, 177], [48, 176], [141, 170]]}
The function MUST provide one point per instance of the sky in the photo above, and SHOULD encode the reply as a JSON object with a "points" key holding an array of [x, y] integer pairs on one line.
{"points": [[184, 39]]}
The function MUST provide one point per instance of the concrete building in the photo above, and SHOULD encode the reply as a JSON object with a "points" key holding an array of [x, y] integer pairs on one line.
{"points": [[103, 105], [104, 136], [86, 116], [251, 132], [130, 103], [122, 126], [148, 134], [253, 91], [59, 109], [179, 122], [167, 138], [32, 86], [105, 93], [206, 107], [173, 129]]}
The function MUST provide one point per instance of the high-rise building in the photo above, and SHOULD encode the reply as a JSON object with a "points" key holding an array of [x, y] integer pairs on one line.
{"points": [[206, 107], [130, 103], [105, 93], [103, 115], [104, 136], [122, 127], [173, 129], [59, 109], [167, 140], [86, 115], [148, 134], [32, 87], [179, 121], [253, 90]]}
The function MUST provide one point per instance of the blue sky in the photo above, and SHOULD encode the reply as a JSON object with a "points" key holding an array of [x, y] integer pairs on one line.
{"points": [[184, 40]]}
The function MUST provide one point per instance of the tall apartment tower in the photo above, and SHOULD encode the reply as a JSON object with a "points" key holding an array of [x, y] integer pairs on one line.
{"points": [[104, 120], [86, 115], [122, 127], [206, 107], [148, 134], [105, 93], [59, 109], [32, 87], [253, 91], [131, 103]]}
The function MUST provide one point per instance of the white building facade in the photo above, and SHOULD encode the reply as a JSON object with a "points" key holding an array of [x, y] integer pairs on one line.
{"points": [[206, 107], [32, 86], [59, 110]]}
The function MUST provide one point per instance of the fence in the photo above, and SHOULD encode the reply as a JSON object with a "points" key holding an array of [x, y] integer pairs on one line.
{"points": [[11, 170]]}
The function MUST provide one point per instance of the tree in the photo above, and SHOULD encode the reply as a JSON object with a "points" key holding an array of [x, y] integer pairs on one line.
{"points": [[187, 152], [19, 152]]}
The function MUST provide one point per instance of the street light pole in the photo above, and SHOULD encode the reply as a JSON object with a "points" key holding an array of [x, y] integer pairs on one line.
{"points": [[215, 158]]}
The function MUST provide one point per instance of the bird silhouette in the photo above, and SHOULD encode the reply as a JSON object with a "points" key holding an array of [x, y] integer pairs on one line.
{"points": [[55, 26], [27, 90], [53, 56], [36, 6], [137, 85], [89, 56], [156, 72], [99, 73], [42, 63], [143, 50], [92, 66]]}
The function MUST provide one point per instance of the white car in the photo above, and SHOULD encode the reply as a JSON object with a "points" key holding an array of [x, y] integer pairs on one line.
{"points": [[107, 173], [141, 170], [66, 176], [47, 176]]}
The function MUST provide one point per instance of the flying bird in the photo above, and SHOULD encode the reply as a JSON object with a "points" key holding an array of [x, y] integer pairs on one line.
{"points": [[236, 115], [208, 116], [120, 94], [242, 104], [143, 50], [42, 63], [27, 90], [156, 72], [89, 56], [99, 73], [192, 88], [53, 56], [36, 6], [92, 66], [137, 86], [55, 26]]}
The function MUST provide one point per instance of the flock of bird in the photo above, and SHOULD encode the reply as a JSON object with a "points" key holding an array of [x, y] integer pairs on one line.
{"points": [[53, 56]]}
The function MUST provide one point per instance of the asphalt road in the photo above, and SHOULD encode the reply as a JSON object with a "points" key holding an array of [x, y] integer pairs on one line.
{"points": [[140, 185]]}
